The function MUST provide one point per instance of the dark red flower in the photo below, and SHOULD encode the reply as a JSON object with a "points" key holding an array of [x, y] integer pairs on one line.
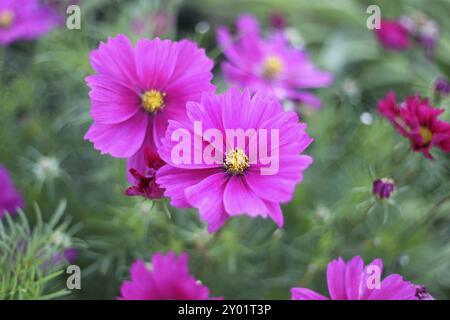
{"points": [[416, 120], [146, 185]]}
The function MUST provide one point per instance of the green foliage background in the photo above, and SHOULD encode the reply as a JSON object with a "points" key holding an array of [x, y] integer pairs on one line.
{"points": [[44, 113]]}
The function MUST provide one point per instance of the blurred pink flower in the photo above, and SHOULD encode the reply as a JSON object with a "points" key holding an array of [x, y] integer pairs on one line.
{"points": [[269, 65], [166, 278], [353, 281], [137, 89], [10, 198], [25, 20], [416, 120], [393, 35]]}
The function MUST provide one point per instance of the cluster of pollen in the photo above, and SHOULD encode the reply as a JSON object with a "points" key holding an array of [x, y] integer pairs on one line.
{"points": [[236, 161], [272, 67], [6, 18], [153, 101], [426, 134]]}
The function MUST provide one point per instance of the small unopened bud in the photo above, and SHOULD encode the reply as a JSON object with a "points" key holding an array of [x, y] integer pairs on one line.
{"points": [[383, 188]]}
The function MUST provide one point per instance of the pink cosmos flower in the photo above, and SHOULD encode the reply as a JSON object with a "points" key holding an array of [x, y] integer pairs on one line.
{"points": [[269, 65], [353, 281], [235, 185], [416, 120], [137, 89], [25, 20], [393, 35], [10, 198], [146, 185], [166, 278]]}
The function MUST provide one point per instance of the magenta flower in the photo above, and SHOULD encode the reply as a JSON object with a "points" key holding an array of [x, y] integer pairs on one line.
{"points": [[235, 185], [354, 281], [10, 198], [416, 120], [166, 278], [137, 89], [25, 20], [269, 65], [146, 185], [393, 35]]}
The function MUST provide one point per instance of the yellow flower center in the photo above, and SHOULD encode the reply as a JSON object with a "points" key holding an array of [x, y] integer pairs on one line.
{"points": [[153, 100], [272, 67], [6, 18], [426, 134], [236, 161]]}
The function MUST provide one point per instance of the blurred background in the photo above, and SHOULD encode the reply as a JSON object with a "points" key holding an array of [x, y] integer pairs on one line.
{"points": [[44, 114]]}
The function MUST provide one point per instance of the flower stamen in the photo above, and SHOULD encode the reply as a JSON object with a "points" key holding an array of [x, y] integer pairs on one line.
{"points": [[6, 18], [153, 101], [236, 162], [272, 67], [426, 135]]}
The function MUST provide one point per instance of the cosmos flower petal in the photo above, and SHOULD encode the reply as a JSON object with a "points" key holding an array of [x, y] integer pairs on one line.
{"points": [[193, 61], [176, 181], [275, 213], [306, 294], [336, 279], [119, 140], [365, 290], [239, 199], [155, 62], [353, 274], [207, 193], [394, 287], [111, 102], [116, 58], [207, 196]]}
